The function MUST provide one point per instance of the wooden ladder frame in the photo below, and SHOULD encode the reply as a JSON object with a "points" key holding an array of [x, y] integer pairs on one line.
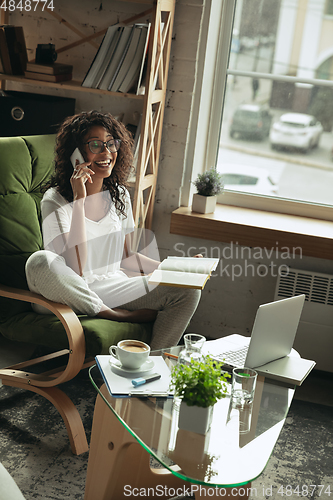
{"points": [[153, 112]]}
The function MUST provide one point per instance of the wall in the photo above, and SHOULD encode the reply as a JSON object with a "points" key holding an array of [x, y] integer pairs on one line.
{"points": [[228, 302]]}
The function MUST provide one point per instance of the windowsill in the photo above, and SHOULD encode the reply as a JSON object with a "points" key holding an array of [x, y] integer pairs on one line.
{"points": [[257, 228]]}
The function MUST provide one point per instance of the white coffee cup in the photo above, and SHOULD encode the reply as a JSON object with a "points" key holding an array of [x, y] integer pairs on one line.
{"points": [[131, 353]]}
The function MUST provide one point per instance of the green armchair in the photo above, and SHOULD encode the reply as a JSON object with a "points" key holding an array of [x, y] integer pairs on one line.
{"points": [[25, 164]]}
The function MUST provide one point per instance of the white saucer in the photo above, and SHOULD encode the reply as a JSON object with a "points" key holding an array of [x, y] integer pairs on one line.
{"points": [[117, 367]]}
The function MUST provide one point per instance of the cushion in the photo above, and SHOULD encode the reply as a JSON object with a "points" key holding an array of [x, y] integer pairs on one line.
{"points": [[48, 331]]}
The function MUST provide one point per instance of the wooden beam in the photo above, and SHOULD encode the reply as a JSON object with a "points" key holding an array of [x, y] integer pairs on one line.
{"points": [[67, 24]]}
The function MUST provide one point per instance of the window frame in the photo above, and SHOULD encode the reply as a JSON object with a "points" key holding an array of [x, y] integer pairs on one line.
{"points": [[197, 162]]}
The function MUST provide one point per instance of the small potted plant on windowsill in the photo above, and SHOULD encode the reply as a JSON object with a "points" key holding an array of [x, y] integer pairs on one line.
{"points": [[209, 185], [199, 385]]}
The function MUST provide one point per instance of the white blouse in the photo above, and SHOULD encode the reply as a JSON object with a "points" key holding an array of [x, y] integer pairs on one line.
{"points": [[105, 238]]}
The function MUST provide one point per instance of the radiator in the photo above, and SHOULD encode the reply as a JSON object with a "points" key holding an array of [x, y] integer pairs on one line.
{"points": [[314, 337]]}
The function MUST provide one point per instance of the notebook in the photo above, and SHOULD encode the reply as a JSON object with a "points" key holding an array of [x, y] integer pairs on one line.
{"points": [[121, 385], [269, 350]]}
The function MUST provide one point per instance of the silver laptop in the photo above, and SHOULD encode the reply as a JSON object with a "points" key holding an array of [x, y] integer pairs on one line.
{"points": [[272, 336]]}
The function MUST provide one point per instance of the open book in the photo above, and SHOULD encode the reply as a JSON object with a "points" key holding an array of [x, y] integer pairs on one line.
{"points": [[190, 272]]}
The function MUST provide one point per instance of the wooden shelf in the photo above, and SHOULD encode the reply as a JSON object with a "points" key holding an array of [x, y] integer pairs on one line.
{"points": [[69, 85], [142, 2]]}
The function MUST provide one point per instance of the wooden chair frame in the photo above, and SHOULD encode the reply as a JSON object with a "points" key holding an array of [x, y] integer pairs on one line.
{"points": [[45, 383]]}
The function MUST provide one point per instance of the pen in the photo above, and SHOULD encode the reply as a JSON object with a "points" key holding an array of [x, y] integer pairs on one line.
{"points": [[169, 355], [140, 381]]}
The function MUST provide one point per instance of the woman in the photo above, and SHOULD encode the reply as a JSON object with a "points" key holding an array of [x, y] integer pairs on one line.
{"points": [[87, 222]]}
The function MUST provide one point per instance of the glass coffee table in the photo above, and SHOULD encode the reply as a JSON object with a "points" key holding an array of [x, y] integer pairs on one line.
{"points": [[128, 431]]}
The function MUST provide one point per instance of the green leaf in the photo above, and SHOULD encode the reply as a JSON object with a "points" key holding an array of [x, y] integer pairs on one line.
{"points": [[202, 383]]}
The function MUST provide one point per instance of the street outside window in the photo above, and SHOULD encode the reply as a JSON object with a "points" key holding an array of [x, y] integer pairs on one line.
{"points": [[278, 108]]}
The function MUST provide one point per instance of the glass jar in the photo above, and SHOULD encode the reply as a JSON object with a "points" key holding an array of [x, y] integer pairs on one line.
{"points": [[193, 346]]}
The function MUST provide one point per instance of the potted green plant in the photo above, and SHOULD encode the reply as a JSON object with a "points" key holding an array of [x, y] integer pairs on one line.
{"points": [[209, 185], [200, 385]]}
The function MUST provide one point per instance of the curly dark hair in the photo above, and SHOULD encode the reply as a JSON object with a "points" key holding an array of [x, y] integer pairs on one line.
{"points": [[71, 135]]}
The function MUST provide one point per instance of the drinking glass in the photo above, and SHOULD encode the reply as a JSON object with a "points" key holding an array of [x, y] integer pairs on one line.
{"points": [[243, 386]]}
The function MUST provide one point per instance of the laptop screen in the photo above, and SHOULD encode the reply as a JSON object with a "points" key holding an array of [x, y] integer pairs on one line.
{"points": [[274, 330]]}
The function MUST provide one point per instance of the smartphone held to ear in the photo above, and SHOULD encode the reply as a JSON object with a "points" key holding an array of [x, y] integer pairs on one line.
{"points": [[77, 156]]}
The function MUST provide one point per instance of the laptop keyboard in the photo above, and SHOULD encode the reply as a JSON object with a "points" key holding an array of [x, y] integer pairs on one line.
{"points": [[233, 358]]}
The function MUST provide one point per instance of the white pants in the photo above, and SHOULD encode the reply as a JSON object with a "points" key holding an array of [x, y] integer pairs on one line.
{"points": [[48, 275]]}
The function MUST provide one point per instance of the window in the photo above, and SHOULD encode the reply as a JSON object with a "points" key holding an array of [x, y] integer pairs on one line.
{"points": [[276, 103]]}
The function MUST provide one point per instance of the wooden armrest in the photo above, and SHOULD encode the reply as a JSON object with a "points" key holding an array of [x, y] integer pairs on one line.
{"points": [[28, 296], [73, 328]]}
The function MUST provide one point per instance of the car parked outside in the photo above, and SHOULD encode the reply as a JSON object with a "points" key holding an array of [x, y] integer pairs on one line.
{"points": [[296, 130], [247, 179], [251, 121]]}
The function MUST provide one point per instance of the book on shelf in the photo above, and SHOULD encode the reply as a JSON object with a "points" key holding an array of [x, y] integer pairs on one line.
{"points": [[131, 128], [48, 78], [115, 62], [4, 54], [127, 59], [189, 272], [135, 131], [50, 69], [136, 145], [13, 50], [139, 84], [102, 57], [119, 63], [135, 68]]}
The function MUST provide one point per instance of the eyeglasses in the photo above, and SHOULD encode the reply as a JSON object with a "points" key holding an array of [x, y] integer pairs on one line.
{"points": [[96, 146]]}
